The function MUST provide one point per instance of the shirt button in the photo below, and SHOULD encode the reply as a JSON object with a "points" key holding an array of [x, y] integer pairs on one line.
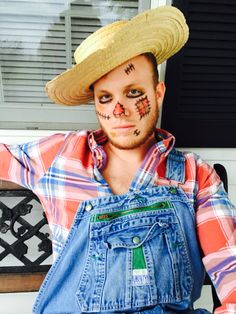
{"points": [[136, 240], [88, 207]]}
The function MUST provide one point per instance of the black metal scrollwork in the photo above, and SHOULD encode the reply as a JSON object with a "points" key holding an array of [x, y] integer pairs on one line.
{"points": [[14, 223]]}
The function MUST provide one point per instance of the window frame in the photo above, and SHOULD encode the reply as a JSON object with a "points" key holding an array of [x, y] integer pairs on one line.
{"points": [[54, 117]]}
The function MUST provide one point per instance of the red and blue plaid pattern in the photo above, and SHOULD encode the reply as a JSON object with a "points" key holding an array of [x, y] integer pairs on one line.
{"points": [[64, 169]]}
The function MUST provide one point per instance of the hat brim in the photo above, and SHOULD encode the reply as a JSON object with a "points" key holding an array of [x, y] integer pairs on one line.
{"points": [[161, 31]]}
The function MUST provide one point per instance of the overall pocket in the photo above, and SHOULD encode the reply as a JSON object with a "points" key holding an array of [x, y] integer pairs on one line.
{"points": [[136, 258]]}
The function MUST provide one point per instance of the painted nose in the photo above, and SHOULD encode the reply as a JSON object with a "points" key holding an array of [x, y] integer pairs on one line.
{"points": [[119, 110]]}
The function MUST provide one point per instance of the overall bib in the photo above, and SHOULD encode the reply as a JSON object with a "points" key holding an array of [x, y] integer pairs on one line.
{"points": [[130, 253]]}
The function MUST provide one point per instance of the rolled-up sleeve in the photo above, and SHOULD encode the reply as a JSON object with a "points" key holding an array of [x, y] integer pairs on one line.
{"points": [[25, 164], [216, 226]]}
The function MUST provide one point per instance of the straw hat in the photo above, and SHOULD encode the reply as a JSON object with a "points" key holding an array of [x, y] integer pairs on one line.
{"points": [[161, 31]]}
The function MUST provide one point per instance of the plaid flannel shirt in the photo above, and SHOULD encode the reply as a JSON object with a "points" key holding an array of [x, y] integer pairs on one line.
{"points": [[80, 158]]}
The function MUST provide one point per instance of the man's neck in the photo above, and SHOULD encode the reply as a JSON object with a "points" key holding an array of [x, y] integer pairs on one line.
{"points": [[133, 155], [123, 164]]}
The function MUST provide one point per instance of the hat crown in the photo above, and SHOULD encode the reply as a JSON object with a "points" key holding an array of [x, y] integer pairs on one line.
{"points": [[162, 31], [101, 39]]}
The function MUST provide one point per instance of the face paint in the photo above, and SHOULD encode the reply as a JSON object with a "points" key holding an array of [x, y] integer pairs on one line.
{"points": [[136, 132], [143, 107], [119, 110], [103, 115], [129, 68]]}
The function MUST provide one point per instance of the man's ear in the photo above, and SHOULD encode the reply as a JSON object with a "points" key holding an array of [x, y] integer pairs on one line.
{"points": [[160, 92]]}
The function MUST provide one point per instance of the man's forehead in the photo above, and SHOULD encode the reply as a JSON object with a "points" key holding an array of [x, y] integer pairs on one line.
{"points": [[131, 65], [139, 60]]}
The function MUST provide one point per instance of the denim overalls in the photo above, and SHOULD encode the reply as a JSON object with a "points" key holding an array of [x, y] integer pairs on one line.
{"points": [[130, 253]]}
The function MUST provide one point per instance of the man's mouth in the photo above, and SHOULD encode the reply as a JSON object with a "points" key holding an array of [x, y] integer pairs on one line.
{"points": [[123, 127]]}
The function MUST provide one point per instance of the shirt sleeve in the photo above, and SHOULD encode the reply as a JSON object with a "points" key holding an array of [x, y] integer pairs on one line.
{"points": [[216, 227], [25, 164]]}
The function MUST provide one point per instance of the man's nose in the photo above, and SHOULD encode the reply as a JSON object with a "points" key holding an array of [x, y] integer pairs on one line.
{"points": [[120, 110]]}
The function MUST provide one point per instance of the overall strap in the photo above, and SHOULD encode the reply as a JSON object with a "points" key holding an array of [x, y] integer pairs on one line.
{"points": [[175, 166]]}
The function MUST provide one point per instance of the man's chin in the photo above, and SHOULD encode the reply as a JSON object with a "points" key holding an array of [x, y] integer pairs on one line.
{"points": [[126, 144], [129, 140]]}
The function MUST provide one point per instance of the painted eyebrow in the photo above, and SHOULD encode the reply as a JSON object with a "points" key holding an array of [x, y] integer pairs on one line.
{"points": [[103, 91], [127, 87], [133, 86]]}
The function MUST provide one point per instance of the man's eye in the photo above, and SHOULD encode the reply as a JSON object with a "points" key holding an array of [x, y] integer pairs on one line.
{"points": [[134, 93], [104, 99]]}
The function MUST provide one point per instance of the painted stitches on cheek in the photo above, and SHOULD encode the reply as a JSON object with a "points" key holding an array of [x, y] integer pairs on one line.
{"points": [[103, 115], [136, 132], [119, 110], [143, 107], [129, 68]]}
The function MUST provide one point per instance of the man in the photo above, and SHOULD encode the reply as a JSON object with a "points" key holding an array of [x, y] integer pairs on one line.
{"points": [[127, 108], [126, 210]]}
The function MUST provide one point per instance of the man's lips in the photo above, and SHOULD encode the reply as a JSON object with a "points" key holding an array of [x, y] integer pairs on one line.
{"points": [[123, 127]]}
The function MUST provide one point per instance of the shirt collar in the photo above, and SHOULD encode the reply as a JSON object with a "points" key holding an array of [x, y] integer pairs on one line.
{"points": [[165, 141], [97, 139]]}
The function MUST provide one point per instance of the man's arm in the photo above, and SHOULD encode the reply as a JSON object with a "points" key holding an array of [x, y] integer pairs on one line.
{"points": [[216, 226], [25, 164]]}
